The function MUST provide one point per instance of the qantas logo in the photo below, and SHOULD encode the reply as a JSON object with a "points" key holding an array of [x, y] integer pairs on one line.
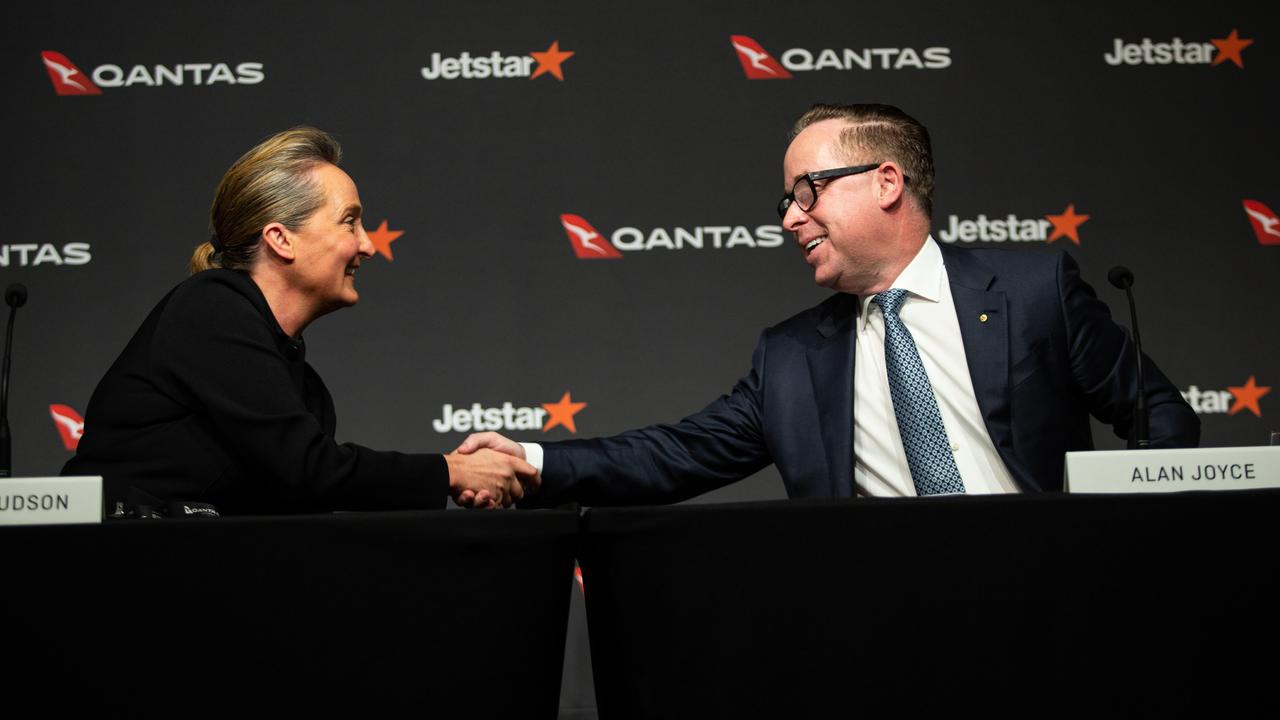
{"points": [[1265, 223], [34, 254], [1176, 52], [1230, 401], [69, 423], [509, 417], [758, 64], [1015, 229], [577, 576], [67, 79], [589, 244], [496, 65]]}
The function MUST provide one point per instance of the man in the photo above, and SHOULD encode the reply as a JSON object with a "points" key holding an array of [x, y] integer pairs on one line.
{"points": [[933, 369]]}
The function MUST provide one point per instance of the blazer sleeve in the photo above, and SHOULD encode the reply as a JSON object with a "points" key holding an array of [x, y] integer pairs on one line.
{"points": [[720, 444], [1104, 366]]}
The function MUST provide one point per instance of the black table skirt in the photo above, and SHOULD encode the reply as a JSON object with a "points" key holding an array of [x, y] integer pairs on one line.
{"points": [[446, 614], [1023, 605]]}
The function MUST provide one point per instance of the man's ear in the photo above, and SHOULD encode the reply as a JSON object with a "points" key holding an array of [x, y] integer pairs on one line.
{"points": [[279, 241], [890, 185]]}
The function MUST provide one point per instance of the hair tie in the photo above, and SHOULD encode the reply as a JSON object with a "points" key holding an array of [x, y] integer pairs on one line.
{"points": [[216, 243]]}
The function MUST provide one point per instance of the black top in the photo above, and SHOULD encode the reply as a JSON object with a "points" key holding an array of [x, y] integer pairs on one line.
{"points": [[212, 402]]}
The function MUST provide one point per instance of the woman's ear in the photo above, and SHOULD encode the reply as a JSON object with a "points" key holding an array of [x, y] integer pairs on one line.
{"points": [[280, 242]]}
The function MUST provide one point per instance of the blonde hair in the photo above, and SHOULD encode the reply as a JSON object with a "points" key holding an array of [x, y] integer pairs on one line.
{"points": [[270, 183]]}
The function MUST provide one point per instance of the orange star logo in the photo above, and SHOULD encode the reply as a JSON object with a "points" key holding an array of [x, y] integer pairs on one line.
{"points": [[1067, 224], [382, 239], [562, 413], [1229, 48], [1247, 397], [549, 61]]}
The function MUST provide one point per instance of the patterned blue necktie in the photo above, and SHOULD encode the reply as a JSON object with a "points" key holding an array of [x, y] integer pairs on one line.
{"points": [[933, 468]]}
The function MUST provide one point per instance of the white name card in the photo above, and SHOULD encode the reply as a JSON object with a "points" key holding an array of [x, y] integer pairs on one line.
{"points": [[1141, 471], [50, 500]]}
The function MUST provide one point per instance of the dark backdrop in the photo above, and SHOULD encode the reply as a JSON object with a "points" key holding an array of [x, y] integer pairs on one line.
{"points": [[654, 126]]}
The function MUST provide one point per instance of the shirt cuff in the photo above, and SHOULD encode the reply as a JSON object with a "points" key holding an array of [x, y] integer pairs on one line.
{"points": [[533, 454]]}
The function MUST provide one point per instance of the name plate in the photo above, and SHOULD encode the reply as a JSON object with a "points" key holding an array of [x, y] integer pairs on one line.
{"points": [[1141, 471], [50, 500]]}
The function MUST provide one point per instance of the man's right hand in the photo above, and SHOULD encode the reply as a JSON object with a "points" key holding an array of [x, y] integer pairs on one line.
{"points": [[493, 441], [489, 479]]}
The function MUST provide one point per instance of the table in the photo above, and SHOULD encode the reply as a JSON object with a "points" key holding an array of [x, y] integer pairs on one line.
{"points": [[439, 613], [1030, 605]]}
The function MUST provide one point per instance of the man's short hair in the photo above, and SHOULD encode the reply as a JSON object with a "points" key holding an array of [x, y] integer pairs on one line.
{"points": [[880, 133]]}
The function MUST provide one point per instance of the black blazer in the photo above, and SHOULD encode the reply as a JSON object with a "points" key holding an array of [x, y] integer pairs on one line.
{"points": [[211, 401]]}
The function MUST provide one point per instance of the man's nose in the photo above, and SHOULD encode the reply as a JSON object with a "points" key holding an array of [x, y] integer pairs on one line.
{"points": [[794, 217]]}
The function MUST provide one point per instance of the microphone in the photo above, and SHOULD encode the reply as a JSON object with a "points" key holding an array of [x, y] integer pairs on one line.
{"points": [[1122, 278], [15, 296]]}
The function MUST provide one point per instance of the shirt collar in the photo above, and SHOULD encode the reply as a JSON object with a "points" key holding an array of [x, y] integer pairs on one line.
{"points": [[924, 277]]}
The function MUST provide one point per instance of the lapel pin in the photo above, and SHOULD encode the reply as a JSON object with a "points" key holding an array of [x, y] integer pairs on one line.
{"points": [[982, 317]]}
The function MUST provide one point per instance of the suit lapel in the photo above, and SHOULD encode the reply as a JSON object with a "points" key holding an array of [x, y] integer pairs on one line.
{"points": [[831, 372], [983, 315]]}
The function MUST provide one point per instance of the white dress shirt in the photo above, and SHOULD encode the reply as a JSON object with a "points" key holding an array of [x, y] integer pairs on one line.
{"points": [[929, 312]]}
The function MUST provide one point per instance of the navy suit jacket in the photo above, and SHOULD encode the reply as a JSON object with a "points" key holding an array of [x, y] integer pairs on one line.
{"points": [[1047, 356]]}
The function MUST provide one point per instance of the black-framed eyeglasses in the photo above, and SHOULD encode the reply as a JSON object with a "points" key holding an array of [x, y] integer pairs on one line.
{"points": [[805, 193]]}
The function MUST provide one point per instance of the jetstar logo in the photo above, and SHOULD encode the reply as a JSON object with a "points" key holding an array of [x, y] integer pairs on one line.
{"points": [[1012, 228], [35, 254], [69, 423], [497, 65], [382, 237], [758, 64], [590, 244], [1266, 225], [1176, 52], [67, 79], [509, 417], [1230, 401]]}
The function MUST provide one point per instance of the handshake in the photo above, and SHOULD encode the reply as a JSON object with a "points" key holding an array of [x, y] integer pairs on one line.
{"points": [[489, 471]]}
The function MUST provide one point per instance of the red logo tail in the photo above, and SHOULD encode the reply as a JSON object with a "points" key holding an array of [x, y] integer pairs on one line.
{"points": [[70, 425], [66, 77], [587, 243], [1265, 223], [756, 63]]}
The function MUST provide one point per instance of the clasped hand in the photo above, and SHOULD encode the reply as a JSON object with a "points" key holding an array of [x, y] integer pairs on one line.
{"points": [[489, 471]]}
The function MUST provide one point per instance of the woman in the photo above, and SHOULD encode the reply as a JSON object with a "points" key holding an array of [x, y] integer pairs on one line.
{"points": [[213, 401]]}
